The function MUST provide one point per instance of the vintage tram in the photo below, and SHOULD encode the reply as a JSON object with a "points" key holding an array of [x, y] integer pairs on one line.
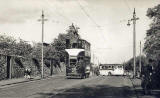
{"points": [[78, 59]]}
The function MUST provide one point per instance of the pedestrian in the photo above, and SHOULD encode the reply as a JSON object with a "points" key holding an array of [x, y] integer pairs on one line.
{"points": [[25, 73], [29, 73], [146, 79]]}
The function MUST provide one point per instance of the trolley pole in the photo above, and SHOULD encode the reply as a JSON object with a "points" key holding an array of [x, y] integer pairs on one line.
{"points": [[42, 21], [134, 19]]}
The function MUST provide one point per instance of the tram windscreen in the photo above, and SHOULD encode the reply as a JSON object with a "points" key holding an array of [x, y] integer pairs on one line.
{"points": [[73, 62]]}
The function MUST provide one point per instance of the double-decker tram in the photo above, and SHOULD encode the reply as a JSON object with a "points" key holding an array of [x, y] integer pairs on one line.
{"points": [[78, 60]]}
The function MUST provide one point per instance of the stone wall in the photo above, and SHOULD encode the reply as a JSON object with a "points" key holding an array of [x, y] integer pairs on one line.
{"points": [[19, 65]]}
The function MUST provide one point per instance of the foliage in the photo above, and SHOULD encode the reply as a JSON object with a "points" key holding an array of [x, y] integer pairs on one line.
{"points": [[9, 46], [129, 64], [23, 48], [60, 43], [54, 52], [152, 43], [7, 43]]}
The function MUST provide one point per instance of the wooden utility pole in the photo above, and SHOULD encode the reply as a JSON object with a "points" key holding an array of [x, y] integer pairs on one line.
{"points": [[134, 19], [42, 20]]}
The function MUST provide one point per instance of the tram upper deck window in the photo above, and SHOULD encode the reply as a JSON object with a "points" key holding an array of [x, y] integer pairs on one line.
{"points": [[75, 45], [79, 42], [79, 45], [80, 58]]}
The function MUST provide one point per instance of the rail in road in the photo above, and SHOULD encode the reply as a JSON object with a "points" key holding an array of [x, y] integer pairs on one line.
{"points": [[60, 87]]}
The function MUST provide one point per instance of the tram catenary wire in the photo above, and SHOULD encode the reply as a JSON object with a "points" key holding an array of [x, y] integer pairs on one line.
{"points": [[89, 17], [50, 6]]}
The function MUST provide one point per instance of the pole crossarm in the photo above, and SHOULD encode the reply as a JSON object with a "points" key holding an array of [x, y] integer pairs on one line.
{"points": [[42, 18], [134, 19]]}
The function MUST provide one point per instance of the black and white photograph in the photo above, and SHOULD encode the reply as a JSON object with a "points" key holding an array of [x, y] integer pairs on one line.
{"points": [[79, 49]]}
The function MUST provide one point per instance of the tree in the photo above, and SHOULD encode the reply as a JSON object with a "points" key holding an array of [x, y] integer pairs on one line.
{"points": [[129, 64], [60, 43], [10, 46], [23, 48], [7, 44], [152, 43]]}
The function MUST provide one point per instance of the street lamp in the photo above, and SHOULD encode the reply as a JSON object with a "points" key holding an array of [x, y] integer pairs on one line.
{"points": [[128, 24]]}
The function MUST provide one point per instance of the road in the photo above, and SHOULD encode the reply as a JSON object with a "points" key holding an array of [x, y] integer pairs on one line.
{"points": [[60, 87]]}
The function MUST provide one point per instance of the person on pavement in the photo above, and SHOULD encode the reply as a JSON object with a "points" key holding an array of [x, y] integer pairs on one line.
{"points": [[29, 73], [146, 79], [25, 73]]}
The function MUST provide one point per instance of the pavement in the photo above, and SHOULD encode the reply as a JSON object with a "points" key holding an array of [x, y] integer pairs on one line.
{"points": [[13, 81], [139, 91], [17, 80]]}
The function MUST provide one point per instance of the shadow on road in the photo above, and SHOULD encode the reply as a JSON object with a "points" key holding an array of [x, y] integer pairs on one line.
{"points": [[154, 93], [99, 91]]}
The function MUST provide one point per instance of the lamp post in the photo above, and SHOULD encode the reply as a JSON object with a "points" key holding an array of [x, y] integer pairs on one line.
{"points": [[134, 19]]}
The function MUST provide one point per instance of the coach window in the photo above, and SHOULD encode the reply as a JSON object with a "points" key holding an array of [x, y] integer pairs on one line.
{"points": [[120, 67], [100, 67], [103, 67]]}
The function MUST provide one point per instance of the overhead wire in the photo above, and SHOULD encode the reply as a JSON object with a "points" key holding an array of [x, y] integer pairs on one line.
{"points": [[89, 17], [83, 9], [85, 12], [126, 3], [50, 6], [93, 21]]}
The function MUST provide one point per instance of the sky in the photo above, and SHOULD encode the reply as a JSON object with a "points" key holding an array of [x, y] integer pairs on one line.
{"points": [[101, 22]]}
